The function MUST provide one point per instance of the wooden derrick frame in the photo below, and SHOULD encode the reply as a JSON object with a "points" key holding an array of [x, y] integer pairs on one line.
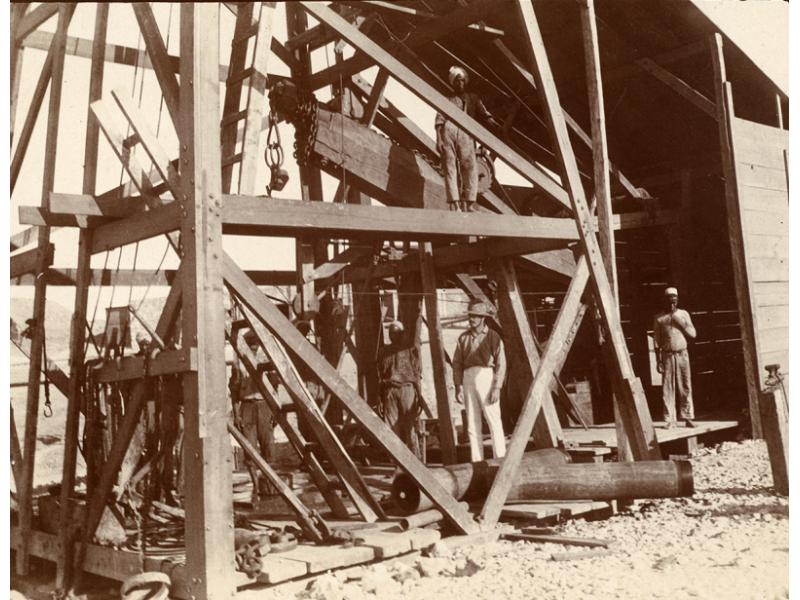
{"points": [[203, 209]]}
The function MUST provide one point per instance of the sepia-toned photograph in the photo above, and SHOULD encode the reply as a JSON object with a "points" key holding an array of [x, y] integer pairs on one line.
{"points": [[416, 299]]}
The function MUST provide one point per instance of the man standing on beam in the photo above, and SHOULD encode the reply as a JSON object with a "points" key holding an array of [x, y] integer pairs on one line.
{"points": [[479, 370], [457, 147]]}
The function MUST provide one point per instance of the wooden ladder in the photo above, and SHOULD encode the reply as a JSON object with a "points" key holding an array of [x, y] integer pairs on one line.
{"points": [[258, 28]]}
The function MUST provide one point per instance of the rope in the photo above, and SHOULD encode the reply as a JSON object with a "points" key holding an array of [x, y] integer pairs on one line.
{"points": [[161, 101], [153, 276], [114, 279], [96, 305]]}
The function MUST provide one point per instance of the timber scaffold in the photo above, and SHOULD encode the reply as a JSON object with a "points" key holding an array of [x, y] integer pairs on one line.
{"points": [[387, 227]]}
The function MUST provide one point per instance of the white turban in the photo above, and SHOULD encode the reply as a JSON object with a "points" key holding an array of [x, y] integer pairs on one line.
{"points": [[456, 71]]}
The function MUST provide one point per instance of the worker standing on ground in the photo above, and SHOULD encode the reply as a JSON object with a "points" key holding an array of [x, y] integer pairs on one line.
{"points": [[252, 417], [457, 147], [479, 369], [399, 374], [671, 330]]}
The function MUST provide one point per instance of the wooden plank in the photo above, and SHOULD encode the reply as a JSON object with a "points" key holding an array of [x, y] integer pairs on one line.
{"points": [[133, 367], [336, 453], [561, 337], [324, 558], [33, 111], [34, 19], [724, 105], [427, 93], [764, 199], [445, 391], [385, 544], [277, 569], [523, 354], [256, 100], [633, 404], [157, 51], [376, 96], [758, 176], [35, 260], [243, 214], [679, 86], [775, 420], [374, 427], [25, 492], [209, 509], [140, 226], [90, 206], [339, 262]]}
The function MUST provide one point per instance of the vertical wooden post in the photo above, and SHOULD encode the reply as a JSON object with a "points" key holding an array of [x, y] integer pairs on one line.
{"points": [[207, 451], [17, 12], [445, 392], [724, 104], [779, 111], [602, 181], [78, 325], [775, 421], [635, 413], [40, 295], [307, 254]]}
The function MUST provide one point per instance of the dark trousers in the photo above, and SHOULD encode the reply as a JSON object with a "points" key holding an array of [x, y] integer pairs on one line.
{"points": [[400, 408], [257, 427]]}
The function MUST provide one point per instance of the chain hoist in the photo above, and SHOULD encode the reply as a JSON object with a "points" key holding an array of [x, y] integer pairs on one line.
{"points": [[305, 126], [273, 156]]}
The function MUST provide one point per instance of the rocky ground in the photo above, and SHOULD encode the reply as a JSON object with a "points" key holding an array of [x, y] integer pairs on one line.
{"points": [[731, 540]]}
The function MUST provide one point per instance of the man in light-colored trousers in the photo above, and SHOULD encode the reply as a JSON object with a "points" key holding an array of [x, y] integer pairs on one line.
{"points": [[479, 369]]}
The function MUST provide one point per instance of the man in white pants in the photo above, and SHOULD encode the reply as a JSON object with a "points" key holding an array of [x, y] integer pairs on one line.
{"points": [[479, 369]]}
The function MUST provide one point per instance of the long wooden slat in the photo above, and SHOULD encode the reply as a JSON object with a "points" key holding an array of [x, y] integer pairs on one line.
{"points": [[635, 412], [432, 97], [34, 19], [358, 491], [157, 51], [679, 86], [206, 444], [17, 12], [35, 260], [445, 392], [305, 518], [141, 226], [373, 426], [40, 294], [523, 353], [602, 182], [293, 434], [33, 112]]}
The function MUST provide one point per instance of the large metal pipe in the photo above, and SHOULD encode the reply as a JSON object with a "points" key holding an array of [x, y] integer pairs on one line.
{"points": [[585, 481], [468, 480]]}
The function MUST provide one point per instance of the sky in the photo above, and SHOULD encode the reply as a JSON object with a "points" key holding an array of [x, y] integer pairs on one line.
{"points": [[757, 27]]}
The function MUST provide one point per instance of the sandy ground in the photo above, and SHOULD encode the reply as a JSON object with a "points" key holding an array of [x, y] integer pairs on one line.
{"points": [[731, 540]]}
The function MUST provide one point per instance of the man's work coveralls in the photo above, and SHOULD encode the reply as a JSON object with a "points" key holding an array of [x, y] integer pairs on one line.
{"points": [[479, 366], [458, 152], [400, 372], [670, 331]]}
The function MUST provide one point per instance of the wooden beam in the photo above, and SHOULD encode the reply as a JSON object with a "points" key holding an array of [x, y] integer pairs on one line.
{"points": [[445, 390], [332, 448], [23, 238], [34, 19], [640, 430], [679, 86], [206, 447], [375, 97], [404, 75], [725, 116], [35, 260], [247, 214], [339, 262], [638, 423], [423, 34], [133, 367], [25, 492], [17, 12], [562, 335], [523, 354], [373, 426], [33, 112], [160, 59], [602, 182], [138, 227]]}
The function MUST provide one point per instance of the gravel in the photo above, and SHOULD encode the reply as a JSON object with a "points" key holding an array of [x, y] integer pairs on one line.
{"points": [[730, 540]]}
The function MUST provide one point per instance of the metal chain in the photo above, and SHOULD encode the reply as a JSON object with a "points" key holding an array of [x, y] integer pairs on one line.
{"points": [[305, 127]]}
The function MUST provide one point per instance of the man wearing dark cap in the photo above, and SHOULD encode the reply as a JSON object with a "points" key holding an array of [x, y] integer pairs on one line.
{"points": [[399, 373], [252, 416], [457, 147], [479, 369], [671, 331]]}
